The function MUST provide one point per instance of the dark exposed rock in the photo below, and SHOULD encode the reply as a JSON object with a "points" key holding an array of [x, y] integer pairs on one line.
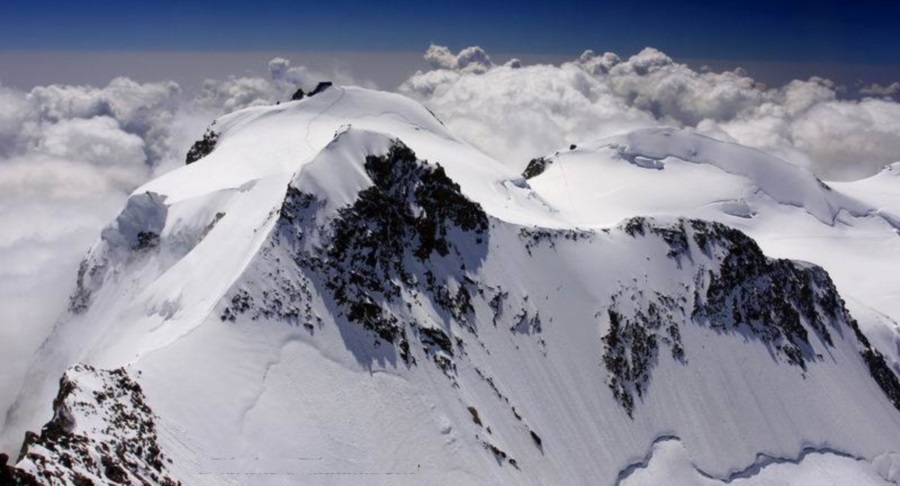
{"points": [[146, 240], [629, 350], [496, 304], [878, 367], [883, 375], [536, 167], [767, 299], [436, 337], [534, 237], [399, 177], [369, 252], [322, 86], [635, 226], [675, 237], [202, 147], [475, 418], [379, 248], [778, 302], [298, 95], [13, 476], [98, 415]]}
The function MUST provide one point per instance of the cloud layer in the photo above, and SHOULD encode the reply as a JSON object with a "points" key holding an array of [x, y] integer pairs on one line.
{"points": [[516, 112]]}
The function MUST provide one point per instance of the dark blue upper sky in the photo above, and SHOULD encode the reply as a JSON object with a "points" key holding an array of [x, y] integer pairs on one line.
{"points": [[862, 31]]}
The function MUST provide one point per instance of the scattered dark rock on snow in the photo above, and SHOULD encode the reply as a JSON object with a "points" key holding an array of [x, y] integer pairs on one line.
{"points": [[879, 369], [778, 302], [298, 95], [202, 147], [537, 440], [500, 455], [102, 432], [475, 417], [436, 337], [377, 250], [90, 276]]}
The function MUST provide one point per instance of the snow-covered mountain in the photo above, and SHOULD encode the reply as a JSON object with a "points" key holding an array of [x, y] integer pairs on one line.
{"points": [[850, 229], [337, 290]]}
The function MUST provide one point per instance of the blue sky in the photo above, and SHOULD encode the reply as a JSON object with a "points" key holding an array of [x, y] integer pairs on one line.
{"points": [[863, 31]]}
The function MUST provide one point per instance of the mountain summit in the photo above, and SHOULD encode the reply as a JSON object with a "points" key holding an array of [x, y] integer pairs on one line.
{"points": [[339, 290]]}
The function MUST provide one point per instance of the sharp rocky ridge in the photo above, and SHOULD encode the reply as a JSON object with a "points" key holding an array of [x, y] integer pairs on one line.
{"points": [[338, 285]]}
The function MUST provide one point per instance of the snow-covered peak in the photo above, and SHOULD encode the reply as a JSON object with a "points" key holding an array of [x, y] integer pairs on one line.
{"points": [[849, 228], [341, 278]]}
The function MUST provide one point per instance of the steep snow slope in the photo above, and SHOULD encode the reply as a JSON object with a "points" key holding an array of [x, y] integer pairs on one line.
{"points": [[343, 292], [851, 229]]}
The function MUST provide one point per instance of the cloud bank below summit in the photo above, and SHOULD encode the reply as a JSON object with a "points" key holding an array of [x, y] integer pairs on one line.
{"points": [[517, 112], [70, 155]]}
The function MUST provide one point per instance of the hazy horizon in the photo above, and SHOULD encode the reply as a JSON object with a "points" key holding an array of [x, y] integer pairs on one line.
{"points": [[27, 69]]}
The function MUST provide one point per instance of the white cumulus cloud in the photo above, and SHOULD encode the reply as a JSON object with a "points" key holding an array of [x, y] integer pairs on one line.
{"points": [[517, 114]]}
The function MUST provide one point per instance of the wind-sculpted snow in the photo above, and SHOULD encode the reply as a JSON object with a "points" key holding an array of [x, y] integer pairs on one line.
{"points": [[668, 462], [139, 225], [136, 230]]}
